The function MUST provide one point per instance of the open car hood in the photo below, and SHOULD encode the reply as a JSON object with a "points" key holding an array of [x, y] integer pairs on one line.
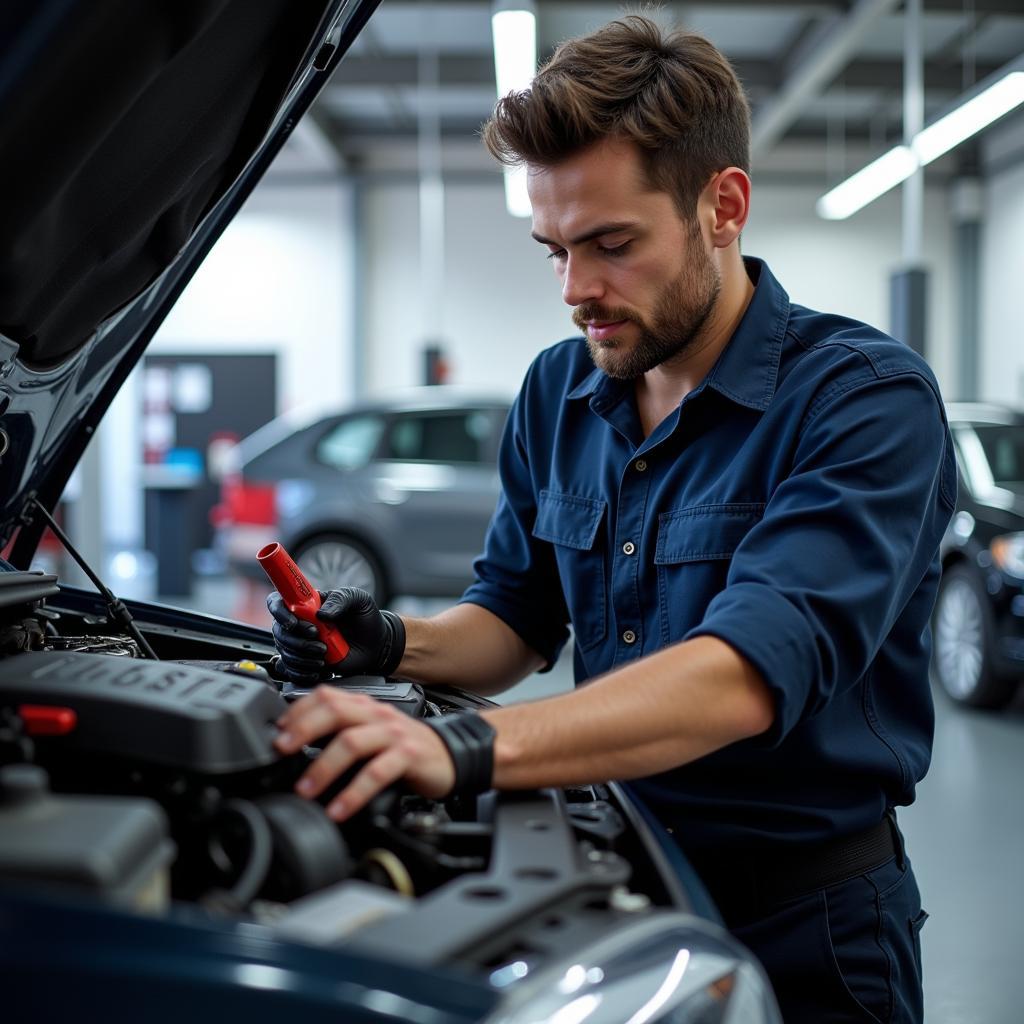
{"points": [[132, 134]]}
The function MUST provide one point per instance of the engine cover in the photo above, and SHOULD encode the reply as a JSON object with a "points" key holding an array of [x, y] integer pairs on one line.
{"points": [[163, 713]]}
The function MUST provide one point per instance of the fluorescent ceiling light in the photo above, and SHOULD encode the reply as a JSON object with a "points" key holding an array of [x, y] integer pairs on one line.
{"points": [[969, 118], [514, 31], [867, 184], [515, 47], [517, 199]]}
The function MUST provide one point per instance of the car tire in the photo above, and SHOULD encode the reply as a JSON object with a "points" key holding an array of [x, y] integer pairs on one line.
{"points": [[337, 560], [963, 636]]}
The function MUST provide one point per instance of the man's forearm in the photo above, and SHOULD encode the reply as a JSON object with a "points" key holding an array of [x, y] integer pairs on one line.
{"points": [[466, 646], [658, 713]]}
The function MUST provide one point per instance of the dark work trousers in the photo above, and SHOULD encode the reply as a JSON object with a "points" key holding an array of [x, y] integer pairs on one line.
{"points": [[849, 952]]}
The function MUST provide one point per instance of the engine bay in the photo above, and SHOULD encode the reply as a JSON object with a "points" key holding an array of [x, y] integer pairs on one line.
{"points": [[153, 784]]}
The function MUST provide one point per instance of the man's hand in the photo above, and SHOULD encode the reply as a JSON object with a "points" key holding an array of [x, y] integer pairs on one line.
{"points": [[376, 638], [667, 709], [393, 745]]}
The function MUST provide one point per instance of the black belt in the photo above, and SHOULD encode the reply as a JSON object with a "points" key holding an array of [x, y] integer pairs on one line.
{"points": [[745, 889]]}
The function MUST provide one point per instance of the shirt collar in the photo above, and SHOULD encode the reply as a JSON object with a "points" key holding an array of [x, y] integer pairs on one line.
{"points": [[589, 384], [748, 368]]}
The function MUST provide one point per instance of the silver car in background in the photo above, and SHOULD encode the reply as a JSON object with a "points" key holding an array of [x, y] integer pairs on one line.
{"points": [[393, 495]]}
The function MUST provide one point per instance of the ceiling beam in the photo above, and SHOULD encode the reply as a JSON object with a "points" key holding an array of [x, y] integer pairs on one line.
{"points": [[809, 7], [403, 69], [821, 58], [476, 71], [348, 132], [888, 74], [979, 7]]}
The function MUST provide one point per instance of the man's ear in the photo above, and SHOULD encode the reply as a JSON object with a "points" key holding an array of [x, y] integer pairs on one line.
{"points": [[726, 201]]}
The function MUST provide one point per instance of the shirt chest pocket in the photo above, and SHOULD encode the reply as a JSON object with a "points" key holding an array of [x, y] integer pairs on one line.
{"points": [[692, 556], [571, 523]]}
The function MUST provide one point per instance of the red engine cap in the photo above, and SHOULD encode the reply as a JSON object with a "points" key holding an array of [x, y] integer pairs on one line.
{"points": [[45, 720]]}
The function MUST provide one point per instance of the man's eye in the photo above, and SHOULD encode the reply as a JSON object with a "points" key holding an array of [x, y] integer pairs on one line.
{"points": [[557, 254], [615, 250]]}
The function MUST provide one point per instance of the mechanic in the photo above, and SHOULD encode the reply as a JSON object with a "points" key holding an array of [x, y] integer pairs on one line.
{"points": [[734, 500]]}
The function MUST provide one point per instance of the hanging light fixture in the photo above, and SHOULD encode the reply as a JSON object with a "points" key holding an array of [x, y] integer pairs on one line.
{"points": [[514, 31], [1004, 93], [969, 118]]}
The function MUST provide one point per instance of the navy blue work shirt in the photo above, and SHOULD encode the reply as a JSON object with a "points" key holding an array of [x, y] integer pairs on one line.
{"points": [[792, 506]]}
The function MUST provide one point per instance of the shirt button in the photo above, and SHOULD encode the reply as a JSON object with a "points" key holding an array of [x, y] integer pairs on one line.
{"points": [[628, 548], [640, 465], [629, 636]]}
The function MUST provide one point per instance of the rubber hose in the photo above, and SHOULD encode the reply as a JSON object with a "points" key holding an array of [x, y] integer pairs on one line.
{"points": [[261, 853]]}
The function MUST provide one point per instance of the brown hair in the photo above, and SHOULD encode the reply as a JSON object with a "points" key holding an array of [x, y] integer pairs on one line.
{"points": [[672, 93]]}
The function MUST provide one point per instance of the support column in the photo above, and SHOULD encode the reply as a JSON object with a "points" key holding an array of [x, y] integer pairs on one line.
{"points": [[908, 286], [967, 215], [432, 203], [358, 199]]}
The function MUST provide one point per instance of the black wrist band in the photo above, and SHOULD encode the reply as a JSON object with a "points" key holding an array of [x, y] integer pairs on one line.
{"points": [[391, 657], [470, 742]]}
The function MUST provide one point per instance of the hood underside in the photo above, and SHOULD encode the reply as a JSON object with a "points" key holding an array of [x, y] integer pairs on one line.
{"points": [[131, 134]]}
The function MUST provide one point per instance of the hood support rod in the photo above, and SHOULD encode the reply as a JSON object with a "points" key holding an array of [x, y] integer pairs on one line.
{"points": [[115, 606]]}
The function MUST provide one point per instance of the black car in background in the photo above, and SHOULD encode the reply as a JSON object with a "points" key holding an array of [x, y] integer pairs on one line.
{"points": [[978, 624]]}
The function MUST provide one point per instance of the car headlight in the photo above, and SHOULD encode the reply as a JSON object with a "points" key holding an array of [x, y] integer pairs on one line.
{"points": [[1008, 553]]}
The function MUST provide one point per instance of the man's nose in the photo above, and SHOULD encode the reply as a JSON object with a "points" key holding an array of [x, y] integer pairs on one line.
{"points": [[581, 283]]}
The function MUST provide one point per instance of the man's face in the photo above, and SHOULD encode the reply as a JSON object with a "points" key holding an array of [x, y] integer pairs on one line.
{"points": [[640, 278]]}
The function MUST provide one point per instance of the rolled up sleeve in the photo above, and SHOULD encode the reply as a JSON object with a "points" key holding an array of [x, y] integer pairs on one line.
{"points": [[816, 585]]}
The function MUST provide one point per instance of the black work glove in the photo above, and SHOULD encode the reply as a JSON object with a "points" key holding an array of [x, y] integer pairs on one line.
{"points": [[376, 638]]}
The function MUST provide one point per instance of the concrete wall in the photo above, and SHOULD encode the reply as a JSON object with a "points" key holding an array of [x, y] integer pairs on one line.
{"points": [[280, 279], [500, 304], [1002, 264]]}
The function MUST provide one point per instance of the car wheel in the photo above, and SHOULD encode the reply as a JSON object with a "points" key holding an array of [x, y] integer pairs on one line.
{"points": [[962, 642], [333, 561]]}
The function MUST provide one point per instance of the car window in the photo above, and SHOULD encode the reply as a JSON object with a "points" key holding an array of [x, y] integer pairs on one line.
{"points": [[463, 436], [1003, 445], [971, 460], [351, 443]]}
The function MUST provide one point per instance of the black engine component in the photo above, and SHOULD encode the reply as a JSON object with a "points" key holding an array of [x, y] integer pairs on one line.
{"points": [[20, 593], [24, 635], [120, 737], [400, 694], [25, 588], [116, 646], [115, 847], [150, 712], [309, 851]]}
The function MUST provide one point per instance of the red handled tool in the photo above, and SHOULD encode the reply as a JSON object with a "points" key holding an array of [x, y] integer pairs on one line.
{"points": [[300, 596]]}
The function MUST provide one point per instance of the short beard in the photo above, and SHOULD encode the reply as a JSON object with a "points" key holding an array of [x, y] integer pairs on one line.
{"points": [[679, 317]]}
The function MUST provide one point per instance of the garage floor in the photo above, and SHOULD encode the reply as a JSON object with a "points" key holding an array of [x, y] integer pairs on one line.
{"points": [[965, 836]]}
